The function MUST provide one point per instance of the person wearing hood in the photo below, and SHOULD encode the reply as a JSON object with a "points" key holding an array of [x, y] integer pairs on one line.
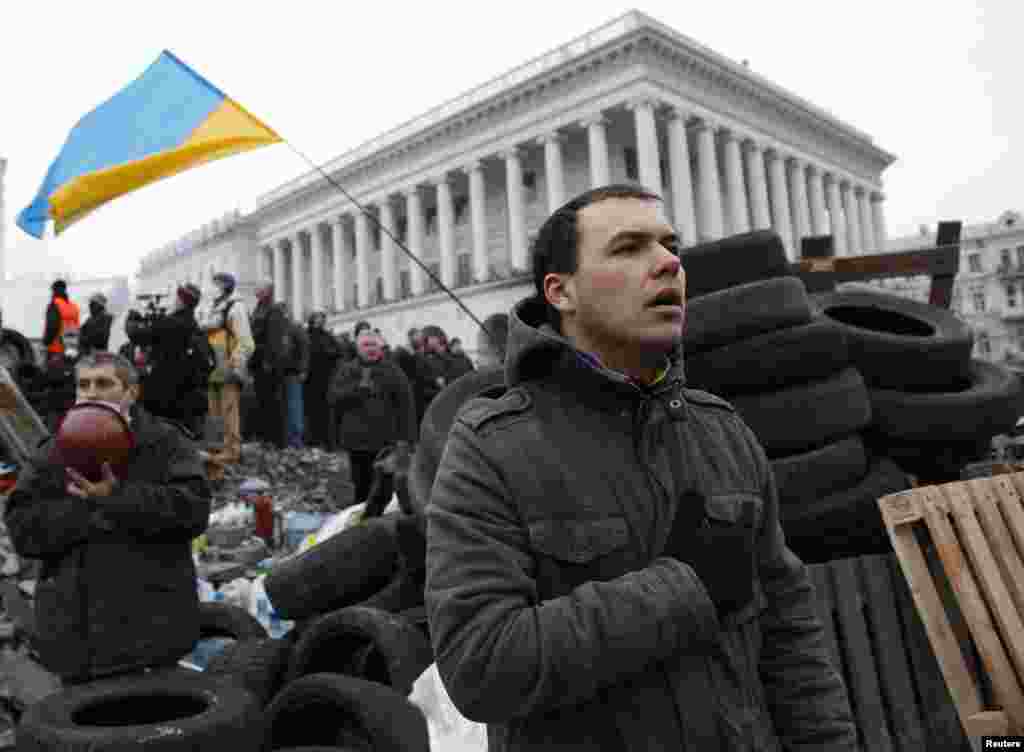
{"points": [[605, 563], [230, 336], [324, 352], [94, 335], [372, 408]]}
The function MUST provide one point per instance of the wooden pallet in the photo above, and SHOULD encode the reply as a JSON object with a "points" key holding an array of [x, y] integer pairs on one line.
{"points": [[878, 644], [973, 533]]}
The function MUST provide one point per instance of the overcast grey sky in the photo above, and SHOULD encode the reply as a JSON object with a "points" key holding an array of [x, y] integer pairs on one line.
{"points": [[936, 84]]}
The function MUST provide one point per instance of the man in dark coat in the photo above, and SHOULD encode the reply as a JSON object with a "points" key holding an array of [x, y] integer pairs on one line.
{"points": [[408, 359], [296, 371], [459, 363], [117, 591], [95, 332], [324, 352], [434, 364], [372, 408], [271, 329], [174, 388], [605, 564]]}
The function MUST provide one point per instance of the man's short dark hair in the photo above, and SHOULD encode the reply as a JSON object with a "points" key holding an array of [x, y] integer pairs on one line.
{"points": [[123, 368], [360, 325], [556, 248]]}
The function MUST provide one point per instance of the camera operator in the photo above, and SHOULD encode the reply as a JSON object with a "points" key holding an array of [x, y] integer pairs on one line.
{"points": [[95, 332], [173, 386]]}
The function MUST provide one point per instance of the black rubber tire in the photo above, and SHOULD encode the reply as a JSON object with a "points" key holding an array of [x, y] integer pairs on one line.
{"points": [[226, 620], [418, 618], [332, 642], [845, 523], [259, 665], [437, 422], [405, 591], [804, 478], [732, 261], [794, 355], [807, 416], [930, 462], [341, 571], [987, 405], [326, 709], [214, 715], [26, 353], [411, 537], [898, 343], [738, 313]]}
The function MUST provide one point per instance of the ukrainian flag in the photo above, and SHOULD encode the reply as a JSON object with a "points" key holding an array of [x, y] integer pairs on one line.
{"points": [[167, 121]]}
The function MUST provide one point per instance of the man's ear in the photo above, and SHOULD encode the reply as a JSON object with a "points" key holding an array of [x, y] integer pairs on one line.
{"points": [[560, 292]]}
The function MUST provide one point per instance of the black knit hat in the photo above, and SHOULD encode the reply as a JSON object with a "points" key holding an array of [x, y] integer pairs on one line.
{"points": [[360, 325], [433, 331]]}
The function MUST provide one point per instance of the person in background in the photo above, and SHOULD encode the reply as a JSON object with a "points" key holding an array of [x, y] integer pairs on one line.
{"points": [[459, 363], [95, 332], [271, 335], [117, 589], [434, 363], [296, 371], [229, 333], [408, 359], [62, 321], [324, 352], [372, 408]]}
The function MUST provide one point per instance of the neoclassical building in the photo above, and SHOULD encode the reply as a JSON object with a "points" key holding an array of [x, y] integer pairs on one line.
{"points": [[466, 186]]}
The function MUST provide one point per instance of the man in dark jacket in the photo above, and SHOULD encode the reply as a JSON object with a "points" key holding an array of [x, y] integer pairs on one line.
{"points": [[174, 388], [434, 363], [324, 352], [372, 408], [459, 363], [116, 592], [605, 564], [271, 335], [95, 332]]}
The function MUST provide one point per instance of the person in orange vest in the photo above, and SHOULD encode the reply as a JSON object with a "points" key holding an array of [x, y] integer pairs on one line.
{"points": [[62, 320]]}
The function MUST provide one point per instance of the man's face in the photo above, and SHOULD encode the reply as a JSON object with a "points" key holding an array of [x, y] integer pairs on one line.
{"points": [[103, 385], [265, 294], [626, 258], [370, 346], [435, 345]]}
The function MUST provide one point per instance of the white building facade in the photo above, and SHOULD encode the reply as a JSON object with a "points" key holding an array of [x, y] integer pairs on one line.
{"points": [[466, 186]]}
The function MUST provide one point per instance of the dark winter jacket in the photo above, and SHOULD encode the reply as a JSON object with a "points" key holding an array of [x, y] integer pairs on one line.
{"points": [[554, 615], [324, 352], [372, 404], [297, 356], [458, 366], [174, 388], [271, 333], [95, 333], [117, 588]]}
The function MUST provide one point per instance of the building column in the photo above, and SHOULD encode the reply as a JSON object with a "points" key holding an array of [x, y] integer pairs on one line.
{"points": [[683, 216], [647, 157], [414, 223], [739, 216], [516, 226], [389, 251], [709, 195], [446, 230], [478, 216], [867, 231], [878, 221], [781, 217], [316, 259], [554, 174], [819, 216], [280, 293], [298, 277], [362, 258], [340, 253], [837, 220], [758, 183], [267, 263], [853, 239], [597, 142], [798, 199]]}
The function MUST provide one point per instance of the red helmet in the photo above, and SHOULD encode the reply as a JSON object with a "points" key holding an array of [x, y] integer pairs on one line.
{"points": [[91, 434]]}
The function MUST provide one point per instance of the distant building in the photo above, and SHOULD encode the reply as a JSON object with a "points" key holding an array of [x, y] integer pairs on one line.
{"points": [[989, 290], [467, 185], [25, 298]]}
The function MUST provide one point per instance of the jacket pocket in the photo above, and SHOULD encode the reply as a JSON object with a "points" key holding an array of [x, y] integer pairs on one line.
{"points": [[579, 541]]}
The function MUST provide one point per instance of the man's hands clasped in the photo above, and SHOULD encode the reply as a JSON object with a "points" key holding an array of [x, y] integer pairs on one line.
{"points": [[81, 487]]}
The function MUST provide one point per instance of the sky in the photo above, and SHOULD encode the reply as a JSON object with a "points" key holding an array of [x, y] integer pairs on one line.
{"points": [[935, 84]]}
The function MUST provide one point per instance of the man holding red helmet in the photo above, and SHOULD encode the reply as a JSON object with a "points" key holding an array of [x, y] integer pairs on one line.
{"points": [[116, 592]]}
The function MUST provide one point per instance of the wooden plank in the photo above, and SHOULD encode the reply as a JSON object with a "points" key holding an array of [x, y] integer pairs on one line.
{"points": [[988, 723], [940, 636], [893, 662], [932, 261], [975, 611], [947, 236], [942, 724], [864, 687], [901, 508], [989, 511], [1011, 501]]}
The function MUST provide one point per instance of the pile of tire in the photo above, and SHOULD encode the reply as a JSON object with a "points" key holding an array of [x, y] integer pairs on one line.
{"points": [[851, 394]]}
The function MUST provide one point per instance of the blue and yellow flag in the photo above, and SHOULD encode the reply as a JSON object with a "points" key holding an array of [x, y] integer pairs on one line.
{"points": [[168, 120]]}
